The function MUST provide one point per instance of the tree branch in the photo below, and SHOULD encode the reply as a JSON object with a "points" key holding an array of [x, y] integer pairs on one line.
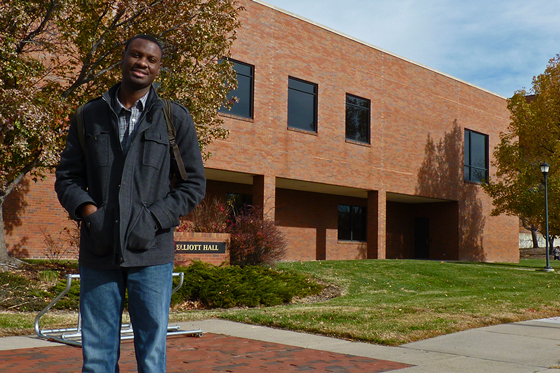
{"points": [[97, 75], [12, 184], [39, 29], [87, 66]]}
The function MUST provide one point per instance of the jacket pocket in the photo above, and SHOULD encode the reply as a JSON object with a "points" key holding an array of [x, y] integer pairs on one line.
{"points": [[142, 231], [155, 148], [100, 233], [98, 147]]}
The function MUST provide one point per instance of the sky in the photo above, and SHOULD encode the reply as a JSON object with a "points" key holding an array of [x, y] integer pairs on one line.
{"points": [[497, 45]]}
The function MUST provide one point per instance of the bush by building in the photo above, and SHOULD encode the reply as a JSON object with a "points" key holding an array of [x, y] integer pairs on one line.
{"points": [[255, 240]]}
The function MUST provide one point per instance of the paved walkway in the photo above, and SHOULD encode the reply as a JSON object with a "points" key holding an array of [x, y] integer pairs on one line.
{"points": [[525, 347]]}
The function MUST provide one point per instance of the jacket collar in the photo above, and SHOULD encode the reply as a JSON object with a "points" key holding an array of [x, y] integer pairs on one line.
{"points": [[109, 96]]}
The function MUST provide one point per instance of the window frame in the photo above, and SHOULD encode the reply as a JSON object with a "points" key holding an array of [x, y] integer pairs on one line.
{"points": [[250, 93], [360, 108], [469, 169], [314, 94]]}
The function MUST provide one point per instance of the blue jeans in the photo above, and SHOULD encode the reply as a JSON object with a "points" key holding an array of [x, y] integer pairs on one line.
{"points": [[102, 297]]}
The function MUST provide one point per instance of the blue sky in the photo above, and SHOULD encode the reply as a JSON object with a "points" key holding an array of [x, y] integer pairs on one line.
{"points": [[497, 45]]}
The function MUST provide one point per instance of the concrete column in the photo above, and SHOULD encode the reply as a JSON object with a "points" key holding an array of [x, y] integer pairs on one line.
{"points": [[377, 226], [264, 194]]}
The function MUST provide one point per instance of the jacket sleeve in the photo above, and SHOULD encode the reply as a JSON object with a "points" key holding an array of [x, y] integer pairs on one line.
{"points": [[186, 195], [71, 176]]}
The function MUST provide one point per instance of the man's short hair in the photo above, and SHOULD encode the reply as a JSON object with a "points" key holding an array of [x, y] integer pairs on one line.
{"points": [[145, 37]]}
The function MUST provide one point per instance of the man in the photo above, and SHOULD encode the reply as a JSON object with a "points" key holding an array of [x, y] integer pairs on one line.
{"points": [[119, 184]]}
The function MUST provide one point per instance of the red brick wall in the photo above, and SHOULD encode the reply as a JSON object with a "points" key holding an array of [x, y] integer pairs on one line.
{"points": [[309, 221], [417, 125], [311, 226], [31, 213]]}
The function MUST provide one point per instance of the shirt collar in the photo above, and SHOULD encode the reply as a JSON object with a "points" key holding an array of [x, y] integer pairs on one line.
{"points": [[141, 103]]}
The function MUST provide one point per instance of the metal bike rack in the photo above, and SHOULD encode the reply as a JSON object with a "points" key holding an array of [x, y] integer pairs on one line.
{"points": [[73, 336]]}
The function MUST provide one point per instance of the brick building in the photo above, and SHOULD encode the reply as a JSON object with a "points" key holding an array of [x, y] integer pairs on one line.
{"points": [[355, 152]]}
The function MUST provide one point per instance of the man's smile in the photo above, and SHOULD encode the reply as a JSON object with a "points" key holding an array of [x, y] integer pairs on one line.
{"points": [[139, 73]]}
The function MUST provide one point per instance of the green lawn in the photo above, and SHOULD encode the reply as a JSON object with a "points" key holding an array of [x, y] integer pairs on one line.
{"points": [[390, 301], [398, 301]]}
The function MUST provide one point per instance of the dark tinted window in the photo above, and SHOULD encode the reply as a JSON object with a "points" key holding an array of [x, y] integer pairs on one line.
{"points": [[302, 105], [476, 156], [242, 97], [238, 202], [357, 118], [352, 223]]}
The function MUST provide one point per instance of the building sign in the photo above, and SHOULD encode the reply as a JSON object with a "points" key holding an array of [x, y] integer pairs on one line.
{"points": [[200, 247]]}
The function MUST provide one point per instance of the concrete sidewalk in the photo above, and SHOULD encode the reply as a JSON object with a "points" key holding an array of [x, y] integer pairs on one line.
{"points": [[524, 347]]}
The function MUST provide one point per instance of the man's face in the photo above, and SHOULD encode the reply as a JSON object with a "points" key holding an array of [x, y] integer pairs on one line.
{"points": [[140, 64]]}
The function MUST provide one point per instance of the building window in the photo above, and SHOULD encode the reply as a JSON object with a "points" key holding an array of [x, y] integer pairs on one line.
{"points": [[302, 105], [352, 223], [476, 156], [242, 97], [357, 118], [238, 202]]}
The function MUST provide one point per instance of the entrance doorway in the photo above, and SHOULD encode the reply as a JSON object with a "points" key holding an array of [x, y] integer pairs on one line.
{"points": [[421, 238]]}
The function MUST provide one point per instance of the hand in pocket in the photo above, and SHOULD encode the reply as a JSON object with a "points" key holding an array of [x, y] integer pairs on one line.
{"points": [[143, 232]]}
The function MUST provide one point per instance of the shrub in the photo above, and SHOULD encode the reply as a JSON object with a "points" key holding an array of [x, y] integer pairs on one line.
{"points": [[18, 293], [71, 235], [71, 301], [54, 249], [234, 286], [255, 240], [209, 216], [65, 246]]}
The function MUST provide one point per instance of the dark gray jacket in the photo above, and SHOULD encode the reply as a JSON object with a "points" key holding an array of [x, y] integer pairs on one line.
{"points": [[138, 208]]}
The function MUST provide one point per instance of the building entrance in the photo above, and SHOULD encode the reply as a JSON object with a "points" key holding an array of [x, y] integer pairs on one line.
{"points": [[421, 238]]}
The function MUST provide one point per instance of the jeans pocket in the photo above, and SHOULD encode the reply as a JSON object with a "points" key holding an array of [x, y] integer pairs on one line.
{"points": [[142, 232], [100, 233]]}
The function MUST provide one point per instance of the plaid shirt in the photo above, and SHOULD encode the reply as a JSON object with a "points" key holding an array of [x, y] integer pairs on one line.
{"points": [[128, 119]]}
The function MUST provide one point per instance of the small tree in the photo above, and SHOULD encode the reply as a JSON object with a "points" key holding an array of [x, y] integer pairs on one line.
{"points": [[532, 137], [255, 240]]}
